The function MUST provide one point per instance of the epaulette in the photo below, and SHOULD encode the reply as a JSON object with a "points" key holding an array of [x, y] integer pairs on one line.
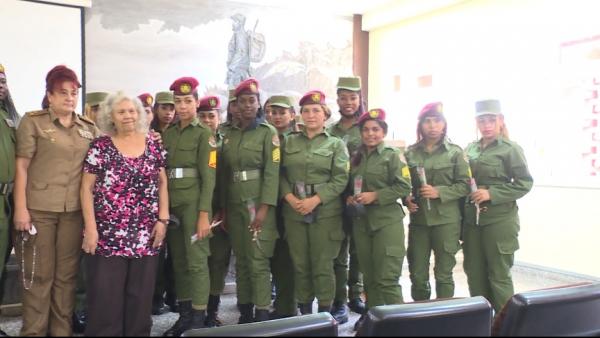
{"points": [[38, 112], [87, 120]]}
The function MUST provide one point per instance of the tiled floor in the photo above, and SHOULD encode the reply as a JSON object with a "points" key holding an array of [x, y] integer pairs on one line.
{"points": [[525, 278]]}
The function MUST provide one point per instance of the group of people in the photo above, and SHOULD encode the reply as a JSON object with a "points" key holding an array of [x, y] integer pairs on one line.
{"points": [[145, 185]]}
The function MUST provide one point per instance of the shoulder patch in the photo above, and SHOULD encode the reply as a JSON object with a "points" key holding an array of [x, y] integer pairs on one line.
{"points": [[212, 142], [87, 120], [275, 140], [38, 112]]}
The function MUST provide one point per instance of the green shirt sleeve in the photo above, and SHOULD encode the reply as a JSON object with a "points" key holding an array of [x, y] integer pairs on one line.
{"points": [[521, 182], [207, 170], [399, 181], [272, 158], [460, 184], [339, 174]]}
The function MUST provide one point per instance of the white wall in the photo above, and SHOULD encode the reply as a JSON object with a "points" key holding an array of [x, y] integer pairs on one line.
{"points": [[35, 38], [510, 50]]}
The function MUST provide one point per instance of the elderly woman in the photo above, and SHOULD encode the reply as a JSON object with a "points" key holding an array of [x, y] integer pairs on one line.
{"points": [[125, 208], [51, 147]]}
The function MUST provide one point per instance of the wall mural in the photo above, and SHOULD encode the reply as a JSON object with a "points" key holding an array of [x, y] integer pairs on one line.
{"points": [[143, 45]]}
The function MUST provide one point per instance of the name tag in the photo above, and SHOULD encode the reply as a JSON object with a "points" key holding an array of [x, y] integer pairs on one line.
{"points": [[85, 134]]}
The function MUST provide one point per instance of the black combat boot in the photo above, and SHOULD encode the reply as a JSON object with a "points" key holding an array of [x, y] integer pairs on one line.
{"points": [[212, 311], [357, 305], [246, 313], [184, 321], [305, 308], [339, 311], [261, 315], [198, 319]]}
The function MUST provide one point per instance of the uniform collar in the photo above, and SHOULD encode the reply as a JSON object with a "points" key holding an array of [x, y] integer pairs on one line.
{"points": [[338, 125], [303, 132], [379, 148], [253, 125], [498, 141], [76, 119], [445, 144], [195, 122]]}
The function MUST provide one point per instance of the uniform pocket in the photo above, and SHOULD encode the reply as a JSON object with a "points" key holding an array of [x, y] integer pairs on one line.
{"points": [[508, 247], [442, 173], [394, 257], [252, 154], [322, 158], [451, 246], [37, 185]]}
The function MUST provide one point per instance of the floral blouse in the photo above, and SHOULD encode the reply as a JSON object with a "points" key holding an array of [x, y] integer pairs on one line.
{"points": [[125, 197]]}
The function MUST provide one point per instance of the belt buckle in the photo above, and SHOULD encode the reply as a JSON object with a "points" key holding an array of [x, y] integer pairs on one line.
{"points": [[244, 175], [178, 172]]}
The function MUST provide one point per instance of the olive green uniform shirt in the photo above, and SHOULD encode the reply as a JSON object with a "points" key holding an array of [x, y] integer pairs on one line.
{"points": [[502, 169], [7, 146], [446, 169], [351, 137], [57, 154], [253, 148], [322, 161], [383, 171], [194, 146]]}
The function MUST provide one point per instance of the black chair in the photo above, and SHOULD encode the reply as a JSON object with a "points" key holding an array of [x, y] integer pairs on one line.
{"points": [[448, 317], [572, 310], [315, 325]]}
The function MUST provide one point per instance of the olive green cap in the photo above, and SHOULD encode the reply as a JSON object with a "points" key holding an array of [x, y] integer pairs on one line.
{"points": [[95, 98], [280, 101], [164, 98], [349, 83], [487, 107], [232, 96]]}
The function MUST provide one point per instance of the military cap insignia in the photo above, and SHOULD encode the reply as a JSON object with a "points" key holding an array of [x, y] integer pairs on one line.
{"points": [[149, 100], [374, 113], [185, 88], [212, 102], [1, 69], [316, 97], [212, 142], [439, 108], [253, 87], [275, 140]]}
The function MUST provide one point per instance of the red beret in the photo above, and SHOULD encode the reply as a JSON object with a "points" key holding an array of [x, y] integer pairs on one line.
{"points": [[146, 99], [433, 108], [209, 103], [248, 86], [184, 86], [373, 114], [313, 97]]}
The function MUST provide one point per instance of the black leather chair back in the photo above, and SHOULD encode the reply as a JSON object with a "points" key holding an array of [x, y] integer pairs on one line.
{"points": [[449, 317], [562, 311], [315, 325]]}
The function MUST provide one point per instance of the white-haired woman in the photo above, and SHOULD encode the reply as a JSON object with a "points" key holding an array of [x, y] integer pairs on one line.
{"points": [[125, 208]]}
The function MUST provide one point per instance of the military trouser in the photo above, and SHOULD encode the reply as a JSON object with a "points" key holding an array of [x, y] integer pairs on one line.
{"points": [[5, 226], [380, 254], [282, 269], [190, 261], [48, 302], [218, 262], [347, 272], [313, 248], [443, 240], [252, 265], [488, 257]]}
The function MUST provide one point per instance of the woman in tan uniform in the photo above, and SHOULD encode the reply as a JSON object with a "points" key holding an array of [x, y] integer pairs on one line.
{"points": [[51, 146]]}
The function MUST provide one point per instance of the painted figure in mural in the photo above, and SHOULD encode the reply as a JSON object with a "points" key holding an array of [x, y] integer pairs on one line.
{"points": [[244, 47]]}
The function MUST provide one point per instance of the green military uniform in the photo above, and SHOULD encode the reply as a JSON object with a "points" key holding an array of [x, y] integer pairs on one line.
{"points": [[220, 246], [437, 228], [249, 174], [191, 169], [282, 266], [7, 176], [490, 243], [489, 247], [322, 164], [344, 274], [379, 232]]}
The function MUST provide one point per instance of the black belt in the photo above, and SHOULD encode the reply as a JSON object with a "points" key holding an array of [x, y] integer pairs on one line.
{"points": [[246, 175], [6, 188]]}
